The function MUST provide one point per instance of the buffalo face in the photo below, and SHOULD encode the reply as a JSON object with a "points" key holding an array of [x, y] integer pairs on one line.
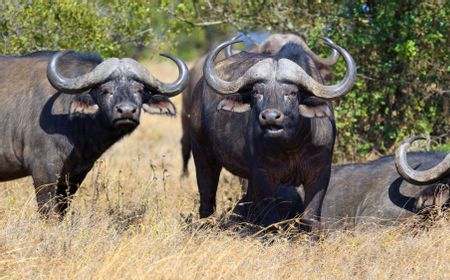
{"points": [[276, 109], [119, 101]]}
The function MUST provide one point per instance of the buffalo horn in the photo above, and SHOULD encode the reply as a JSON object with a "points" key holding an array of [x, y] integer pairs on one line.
{"points": [[229, 49], [81, 83], [294, 74], [102, 71], [299, 76], [328, 61], [167, 89], [416, 177]]}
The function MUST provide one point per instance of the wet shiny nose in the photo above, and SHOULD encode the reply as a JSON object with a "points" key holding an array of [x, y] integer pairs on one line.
{"points": [[126, 109], [271, 117]]}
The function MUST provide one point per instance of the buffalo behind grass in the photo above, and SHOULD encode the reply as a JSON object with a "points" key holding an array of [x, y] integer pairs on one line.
{"points": [[128, 221]]}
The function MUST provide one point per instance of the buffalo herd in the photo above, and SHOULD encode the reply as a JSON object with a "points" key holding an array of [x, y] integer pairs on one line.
{"points": [[264, 114]]}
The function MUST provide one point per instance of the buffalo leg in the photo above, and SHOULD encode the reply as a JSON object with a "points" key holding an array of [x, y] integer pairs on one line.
{"points": [[186, 152], [264, 209], [208, 172], [314, 194], [66, 190], [53, 194]]}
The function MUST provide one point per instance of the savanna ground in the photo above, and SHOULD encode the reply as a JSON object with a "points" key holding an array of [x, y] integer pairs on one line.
{"points": [[128, 220]]}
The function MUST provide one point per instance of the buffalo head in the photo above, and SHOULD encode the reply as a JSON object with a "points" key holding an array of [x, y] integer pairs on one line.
{"points": [[117, 89], [436, 179], [278, 91]]}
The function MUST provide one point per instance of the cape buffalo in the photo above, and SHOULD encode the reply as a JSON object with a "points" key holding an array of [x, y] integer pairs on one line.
{"points": [[376, 192], [270, 46], [271, 123], [62, 110]]}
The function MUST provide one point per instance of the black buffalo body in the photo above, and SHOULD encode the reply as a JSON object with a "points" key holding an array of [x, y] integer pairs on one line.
{"points": [[270, 124], [61, 110]]}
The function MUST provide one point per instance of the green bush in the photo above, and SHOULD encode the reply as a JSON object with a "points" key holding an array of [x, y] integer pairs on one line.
{"points": [[107, 27]]}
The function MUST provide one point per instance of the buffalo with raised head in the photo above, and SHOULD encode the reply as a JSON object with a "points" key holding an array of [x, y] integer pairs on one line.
{"points": [[271, 123], [383, 191], [271, 45], [61, 110]]}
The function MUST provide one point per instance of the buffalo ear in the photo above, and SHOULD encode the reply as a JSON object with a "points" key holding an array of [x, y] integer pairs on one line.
{"points": [[159, 105], [233, 105], [314, 111], [83, 104]]}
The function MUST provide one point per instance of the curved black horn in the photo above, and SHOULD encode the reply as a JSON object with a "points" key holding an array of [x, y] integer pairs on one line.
{"points": [[80, 83], [425, 177]]}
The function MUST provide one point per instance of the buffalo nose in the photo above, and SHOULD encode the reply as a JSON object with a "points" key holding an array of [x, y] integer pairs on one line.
{"points": [[126, 108], [271, 117]]}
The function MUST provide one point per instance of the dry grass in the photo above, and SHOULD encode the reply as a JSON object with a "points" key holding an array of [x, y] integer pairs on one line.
{"points": [[127, 222]]}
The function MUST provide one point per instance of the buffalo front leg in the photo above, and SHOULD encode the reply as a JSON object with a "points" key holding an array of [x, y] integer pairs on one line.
{"points": [[262, 190], [314, 194], [54, 194], [185, 145], [207, 172]]}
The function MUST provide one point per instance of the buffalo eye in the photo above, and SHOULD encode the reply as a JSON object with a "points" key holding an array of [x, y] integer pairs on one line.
{"points": [[138, 88], [291, 92], [257, 95], [107, 91]]}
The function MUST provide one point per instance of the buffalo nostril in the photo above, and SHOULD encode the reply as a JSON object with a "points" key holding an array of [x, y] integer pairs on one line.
{"points": [[271, 117], [126, 108]]}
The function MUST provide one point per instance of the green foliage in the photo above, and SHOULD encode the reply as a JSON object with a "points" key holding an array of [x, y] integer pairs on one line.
{"points": [[107, 27], [401, 48], [402, 57]]}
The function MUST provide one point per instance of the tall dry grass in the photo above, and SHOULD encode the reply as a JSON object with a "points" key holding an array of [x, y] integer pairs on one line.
{"points": [[128, 221]]}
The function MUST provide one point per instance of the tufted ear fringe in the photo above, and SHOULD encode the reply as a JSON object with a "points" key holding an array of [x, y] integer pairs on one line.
{"points": [[233, 105], [83, 104], [159, 105], [318, 111]]}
